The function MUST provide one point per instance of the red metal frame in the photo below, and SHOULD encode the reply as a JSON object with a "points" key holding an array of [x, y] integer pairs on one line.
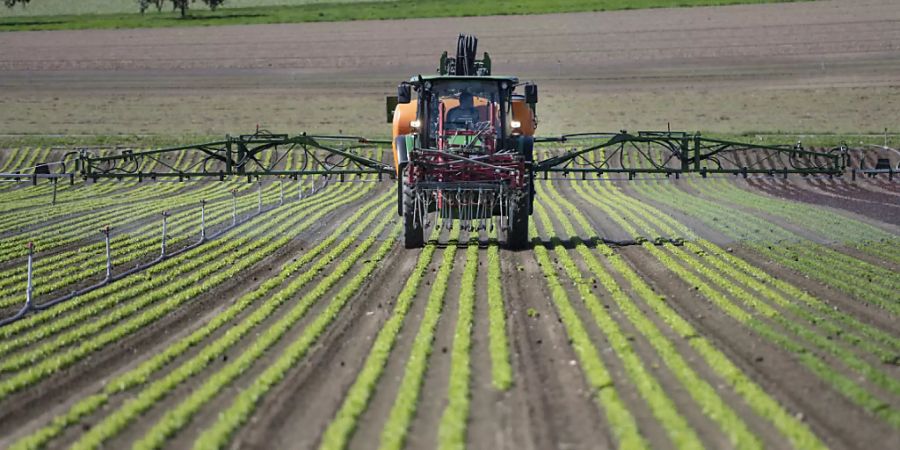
{"points": [[449, 170]]}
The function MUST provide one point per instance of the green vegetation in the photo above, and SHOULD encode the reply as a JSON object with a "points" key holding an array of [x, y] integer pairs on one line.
{"points": [[338, 433], [217, 435], [140, 376], [714, 281], [452, 428], [702, 392], [621, 421], [705, 395], [172, 289], [402, 412], [858, 278], [501, 371], [338, 11]]}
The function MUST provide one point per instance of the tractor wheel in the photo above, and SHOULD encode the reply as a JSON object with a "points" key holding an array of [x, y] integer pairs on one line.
{"points": [[517, 235], [413, 232]]}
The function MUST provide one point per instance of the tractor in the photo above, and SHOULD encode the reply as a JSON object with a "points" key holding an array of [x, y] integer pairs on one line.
{"points": [[463, 149]]}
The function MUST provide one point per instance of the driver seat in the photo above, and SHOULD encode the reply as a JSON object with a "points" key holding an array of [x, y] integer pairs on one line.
{"points": [[458, 116]]}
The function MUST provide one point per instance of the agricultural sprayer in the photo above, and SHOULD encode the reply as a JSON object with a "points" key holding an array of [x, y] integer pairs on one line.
{"points": [[463, 152]]}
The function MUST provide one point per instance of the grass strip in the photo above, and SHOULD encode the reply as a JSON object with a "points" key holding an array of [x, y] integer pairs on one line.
{"points": [[339, 12]]}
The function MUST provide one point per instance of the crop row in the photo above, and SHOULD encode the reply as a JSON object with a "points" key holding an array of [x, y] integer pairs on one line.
{"points": [[63, 219], [834, 227], [189, 261], [241, 408], [834, 322], [858, 278], [82, 197], [799, 336], [404, 408], [24, 158], [85, 330], [46, 155], [621, 421], [137, 285], [701, 391], [66, 268], [854, 276], [649, 388], [501, 371], [128, 211], [337, 435], [453, 424], [11, 156], [141, 375], [175, 418], [195, 272]]}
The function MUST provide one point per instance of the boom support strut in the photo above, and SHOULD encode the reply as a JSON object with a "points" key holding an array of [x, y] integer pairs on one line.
{"points": [[255, 155], [669, 152]]}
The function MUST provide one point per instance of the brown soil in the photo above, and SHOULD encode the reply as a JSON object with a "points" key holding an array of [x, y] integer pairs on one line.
{"points": [[807, 67], [858, 198]]}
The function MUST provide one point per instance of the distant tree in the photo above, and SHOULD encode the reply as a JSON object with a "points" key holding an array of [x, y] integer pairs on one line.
{"points": [[183, 5], [11, 3], [145, 4]]}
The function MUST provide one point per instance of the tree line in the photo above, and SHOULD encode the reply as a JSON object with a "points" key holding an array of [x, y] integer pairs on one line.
{"points": [[144, 5]]}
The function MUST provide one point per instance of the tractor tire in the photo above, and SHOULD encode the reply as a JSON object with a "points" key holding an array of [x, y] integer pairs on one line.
{"points": [[517, 234], [413, 232]]}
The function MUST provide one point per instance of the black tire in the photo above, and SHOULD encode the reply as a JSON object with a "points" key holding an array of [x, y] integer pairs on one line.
{"points": [[517, 234], [413, 232]]}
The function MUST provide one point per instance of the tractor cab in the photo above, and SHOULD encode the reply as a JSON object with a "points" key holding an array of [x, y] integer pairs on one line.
{"points": [[464, 116]]}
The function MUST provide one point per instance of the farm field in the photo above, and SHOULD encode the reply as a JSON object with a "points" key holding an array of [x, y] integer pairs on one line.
{"points": [[738, 319], [699, 312]]}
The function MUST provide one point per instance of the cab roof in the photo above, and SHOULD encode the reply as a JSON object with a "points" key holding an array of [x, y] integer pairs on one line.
{"points": [[510, 79]]}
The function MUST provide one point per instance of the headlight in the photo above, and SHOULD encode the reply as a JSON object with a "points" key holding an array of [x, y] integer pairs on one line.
{"points": [[415, 124], [515, 124]]}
